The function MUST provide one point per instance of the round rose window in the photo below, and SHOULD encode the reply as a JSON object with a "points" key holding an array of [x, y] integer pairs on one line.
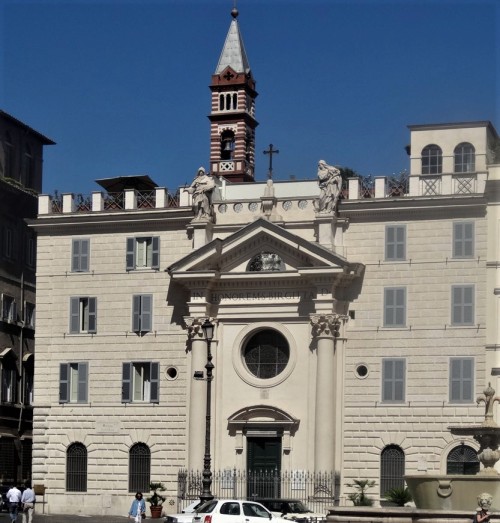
{"points": [[266, 354]]}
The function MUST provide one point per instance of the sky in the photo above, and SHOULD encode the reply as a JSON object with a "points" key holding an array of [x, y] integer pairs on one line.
{"points": [[122, 86]]}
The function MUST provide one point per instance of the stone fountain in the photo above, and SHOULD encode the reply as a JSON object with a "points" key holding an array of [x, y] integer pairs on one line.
{"points": [[459, 492]]}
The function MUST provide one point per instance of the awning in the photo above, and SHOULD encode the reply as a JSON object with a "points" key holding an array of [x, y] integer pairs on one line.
{"points": [[140, 182]]}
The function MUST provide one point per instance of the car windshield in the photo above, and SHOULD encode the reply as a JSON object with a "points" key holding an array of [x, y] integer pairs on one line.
{"points": [[297, 507]]}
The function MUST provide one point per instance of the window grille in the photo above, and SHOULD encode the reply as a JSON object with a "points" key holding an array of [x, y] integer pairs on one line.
{"points": [[76, 468], [462, 460], [392, 468], [139, 475], [266, 354]]}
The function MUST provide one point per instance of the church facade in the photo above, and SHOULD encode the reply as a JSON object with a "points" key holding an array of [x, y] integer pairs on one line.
{"points": [[353, 323]]}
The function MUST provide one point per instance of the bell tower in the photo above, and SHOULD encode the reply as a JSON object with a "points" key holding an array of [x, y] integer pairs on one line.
{"points": [[232, 116]]}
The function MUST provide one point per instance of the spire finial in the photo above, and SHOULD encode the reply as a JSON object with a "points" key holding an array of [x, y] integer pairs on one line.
{"points": [[234, 11]]}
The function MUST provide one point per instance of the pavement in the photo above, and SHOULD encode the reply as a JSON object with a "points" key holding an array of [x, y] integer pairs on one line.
{"points": [[68, 518]]}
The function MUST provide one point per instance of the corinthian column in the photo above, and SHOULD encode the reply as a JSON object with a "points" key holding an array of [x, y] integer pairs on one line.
{"points": [[197, 395], [325, 329]]}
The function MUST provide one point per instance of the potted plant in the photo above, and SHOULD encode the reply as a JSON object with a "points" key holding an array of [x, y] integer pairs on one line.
{"points": [[156, 500]]}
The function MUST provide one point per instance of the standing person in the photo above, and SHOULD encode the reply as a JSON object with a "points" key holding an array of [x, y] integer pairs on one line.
{"points": [[138, 508], [14, 498], [28, 502]]}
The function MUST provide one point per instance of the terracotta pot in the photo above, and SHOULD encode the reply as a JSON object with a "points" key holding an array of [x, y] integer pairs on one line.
{"points": [[156, 511]]}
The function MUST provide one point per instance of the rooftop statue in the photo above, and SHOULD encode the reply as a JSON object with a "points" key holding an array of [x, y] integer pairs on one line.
{"points": [[330, 184], [201, 188]]}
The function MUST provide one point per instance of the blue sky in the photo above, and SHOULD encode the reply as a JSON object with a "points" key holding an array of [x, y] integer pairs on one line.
{"points": [[122, 86]]}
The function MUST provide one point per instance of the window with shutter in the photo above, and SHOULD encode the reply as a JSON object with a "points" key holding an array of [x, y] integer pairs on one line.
{"points": [[83, 315], [73, 382], [142, 313], [393, 380], [462, 305], [461, 380], [80, 255], [395, 243], [463, 240], [143, 253], [394, 307], [140, 382]]}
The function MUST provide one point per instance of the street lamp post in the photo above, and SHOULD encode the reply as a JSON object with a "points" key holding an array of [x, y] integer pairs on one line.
{"points": [[206, 495]]}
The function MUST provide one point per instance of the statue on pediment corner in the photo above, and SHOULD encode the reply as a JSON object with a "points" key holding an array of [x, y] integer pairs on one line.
{"points": [[202, 188], [330, 184]]}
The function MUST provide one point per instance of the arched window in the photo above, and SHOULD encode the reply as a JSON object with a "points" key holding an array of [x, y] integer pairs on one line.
{"points": [[221, 102], [76, 468], [266, 354], [462, 460], [392, 468], [465, 158], [432, 160], [266, 261], [139, 468]]}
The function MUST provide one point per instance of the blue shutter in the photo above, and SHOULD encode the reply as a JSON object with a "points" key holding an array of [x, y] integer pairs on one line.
{"points": [[146, 313], [84, 255], [74, 324], [92, 315], [63, 383], [75, 258], [155, 259], [130, 258], [127, 383], [83, 382], [136, 313], [155, 382]]}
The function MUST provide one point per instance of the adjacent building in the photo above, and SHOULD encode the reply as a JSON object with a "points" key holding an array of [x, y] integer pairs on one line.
{"points": [[21, 162], [346, 340]]}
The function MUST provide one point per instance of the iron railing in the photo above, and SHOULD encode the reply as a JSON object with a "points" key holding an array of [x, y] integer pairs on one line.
{"points": [[319, 491]]}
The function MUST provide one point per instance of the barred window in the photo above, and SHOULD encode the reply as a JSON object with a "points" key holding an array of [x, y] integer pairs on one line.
{"points": [[139, 469], [462, 460], [76, 468], [266, 354], [392, 468]]}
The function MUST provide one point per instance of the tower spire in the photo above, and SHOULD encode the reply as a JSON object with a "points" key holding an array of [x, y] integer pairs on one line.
{"points": [[232, 127]]}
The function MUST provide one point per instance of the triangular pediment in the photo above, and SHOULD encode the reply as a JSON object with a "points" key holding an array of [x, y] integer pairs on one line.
{"points": [[284, 254]]}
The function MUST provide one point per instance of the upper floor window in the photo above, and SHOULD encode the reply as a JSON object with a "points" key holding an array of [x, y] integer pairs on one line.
{"points": [[227, 145], [140, 382], [463, 239], [29, 315], [228, 101], [9, 309], [142, 312], [73, 382], [395, 242], [28, 167], [432, 160], [8, 156], [465, 158], [83, 315], [461, 380], [143, 253], [9, 382], [76, 468], [9, 242], [395, 307], [462, 304], [393, 380], [80, 253], [30, 250]]}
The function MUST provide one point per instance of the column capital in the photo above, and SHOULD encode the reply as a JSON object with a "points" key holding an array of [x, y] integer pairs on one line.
{"points": [[193, 325], [326, 324]]}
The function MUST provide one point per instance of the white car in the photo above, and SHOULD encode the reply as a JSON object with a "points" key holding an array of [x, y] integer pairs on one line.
{"points": [[186, 515], [235, 511]]}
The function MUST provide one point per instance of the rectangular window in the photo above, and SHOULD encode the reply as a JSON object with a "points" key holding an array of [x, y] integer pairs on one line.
{"points": [[395, 307], [462, 304], [142, 313], [395, 242], [80, 253], [29, 315], [31, 251], [463, 239], [143, 253], [83, 315], [9, 309], [461, 380], [8, 243], [73, 383], [393, 380], [140, 382], [9, 384]]}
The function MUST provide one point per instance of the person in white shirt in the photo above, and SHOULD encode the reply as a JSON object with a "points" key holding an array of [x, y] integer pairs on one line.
{"points": [[14, 498], [28, 502]]}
